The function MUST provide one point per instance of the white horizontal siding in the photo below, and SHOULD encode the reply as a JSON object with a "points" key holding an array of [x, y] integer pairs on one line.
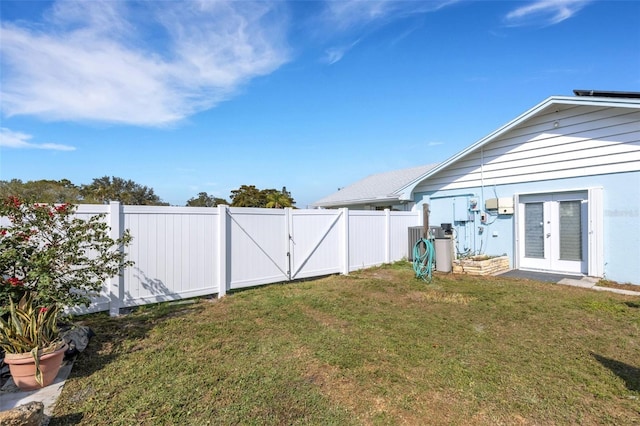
{"points": [[571, 121], [587, 141]]}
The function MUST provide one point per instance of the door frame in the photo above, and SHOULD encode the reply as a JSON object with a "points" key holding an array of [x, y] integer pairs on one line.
{"points": [[594, 227]]}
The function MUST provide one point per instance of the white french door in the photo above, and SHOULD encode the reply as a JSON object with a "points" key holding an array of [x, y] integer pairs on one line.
{"points": [[553, 232]]}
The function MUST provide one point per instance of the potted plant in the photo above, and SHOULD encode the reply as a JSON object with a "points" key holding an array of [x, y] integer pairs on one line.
{"points": [[30, 338], [51, 261]]}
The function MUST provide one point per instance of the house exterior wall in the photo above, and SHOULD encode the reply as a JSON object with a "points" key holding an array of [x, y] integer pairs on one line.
{"points": [[563, 148], [587, 141], [621, 222]]}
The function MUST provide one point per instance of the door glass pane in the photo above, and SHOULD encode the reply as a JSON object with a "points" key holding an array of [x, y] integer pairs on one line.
{"points": [[570, 226], [533, 230]]}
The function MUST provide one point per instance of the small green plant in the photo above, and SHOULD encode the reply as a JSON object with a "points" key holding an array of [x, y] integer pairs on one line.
{"points": [[28, 327], [48, 251]]}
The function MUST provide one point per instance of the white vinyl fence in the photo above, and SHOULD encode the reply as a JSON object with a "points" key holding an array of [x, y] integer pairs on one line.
{"points": [[182, 252]]}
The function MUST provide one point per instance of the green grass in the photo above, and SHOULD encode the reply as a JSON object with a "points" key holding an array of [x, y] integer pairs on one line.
{"points": [[374, 347]]}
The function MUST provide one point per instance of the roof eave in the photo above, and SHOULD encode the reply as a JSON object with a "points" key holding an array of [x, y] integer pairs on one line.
{"points": [[356, 201]]}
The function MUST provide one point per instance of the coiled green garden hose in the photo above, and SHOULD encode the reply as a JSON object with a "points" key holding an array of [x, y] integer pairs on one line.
{"points": [[423, 261]]}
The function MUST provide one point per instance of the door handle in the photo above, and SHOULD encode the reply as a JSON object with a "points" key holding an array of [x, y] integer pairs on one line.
{"points": [[548, 234]]}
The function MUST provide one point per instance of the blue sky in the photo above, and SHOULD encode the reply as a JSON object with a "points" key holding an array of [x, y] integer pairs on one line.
{"points": [[196, 96]]}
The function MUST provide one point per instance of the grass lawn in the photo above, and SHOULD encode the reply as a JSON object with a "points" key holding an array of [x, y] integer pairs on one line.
{"points": [[374, 347]]}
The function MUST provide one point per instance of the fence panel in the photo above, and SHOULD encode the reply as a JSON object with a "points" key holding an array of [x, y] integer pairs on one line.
{"points": [[182, 252], [367, 238], [173, 249], [398, 234], [317, 243], [101, 302]]}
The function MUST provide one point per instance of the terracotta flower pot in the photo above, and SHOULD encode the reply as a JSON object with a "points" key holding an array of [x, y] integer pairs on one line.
{"points": [[23, 368]]}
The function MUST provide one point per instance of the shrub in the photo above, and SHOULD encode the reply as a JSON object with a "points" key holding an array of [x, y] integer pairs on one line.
{"points": [[47, 251]]}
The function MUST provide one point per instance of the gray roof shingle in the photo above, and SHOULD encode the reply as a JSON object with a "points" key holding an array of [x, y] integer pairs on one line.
{"points": [[378, 187]]}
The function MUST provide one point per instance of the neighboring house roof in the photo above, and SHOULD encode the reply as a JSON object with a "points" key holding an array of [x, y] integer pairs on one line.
{"points": [[376, 188], [606, 99]]}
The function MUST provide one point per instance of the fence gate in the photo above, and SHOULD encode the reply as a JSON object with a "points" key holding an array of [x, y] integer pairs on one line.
{"points": [[316, 240], [258, 245], [283, 244]]}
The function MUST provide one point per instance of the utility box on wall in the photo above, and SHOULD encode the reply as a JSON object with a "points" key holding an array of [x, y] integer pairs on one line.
{"points": [[461, 209], [500, 205]]}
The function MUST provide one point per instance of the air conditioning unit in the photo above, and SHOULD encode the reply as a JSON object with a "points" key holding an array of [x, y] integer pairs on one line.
{"points": [[415, 235]]}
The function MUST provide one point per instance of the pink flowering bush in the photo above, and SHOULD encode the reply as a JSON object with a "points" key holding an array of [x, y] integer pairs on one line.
{"points": [[58, 258]]}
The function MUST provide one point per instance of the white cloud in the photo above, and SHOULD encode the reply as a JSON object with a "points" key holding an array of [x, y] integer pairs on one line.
{"points": [[360, 17], [105, 61], [349, 14], [544, 12], [12, 139], [335, 54]]}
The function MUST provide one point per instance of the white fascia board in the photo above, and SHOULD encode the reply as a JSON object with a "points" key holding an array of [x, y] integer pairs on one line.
{"points": [[357, 201], [595, 101], [405, 193]]}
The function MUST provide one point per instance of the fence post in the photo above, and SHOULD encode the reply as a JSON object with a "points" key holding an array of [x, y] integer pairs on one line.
{"points": [[345, 236], [223, 249], [387, 236], [116, 283], [288, 237], [425, 220]]}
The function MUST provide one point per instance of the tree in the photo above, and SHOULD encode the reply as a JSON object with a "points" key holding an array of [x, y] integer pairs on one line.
{"points": [[287, 194], [41, 191], [278, 200], [205, 200], [250, 196], [105, 189]]}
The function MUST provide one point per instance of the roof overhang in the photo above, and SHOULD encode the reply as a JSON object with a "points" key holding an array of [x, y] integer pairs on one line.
{"points": [[377, 200]]}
